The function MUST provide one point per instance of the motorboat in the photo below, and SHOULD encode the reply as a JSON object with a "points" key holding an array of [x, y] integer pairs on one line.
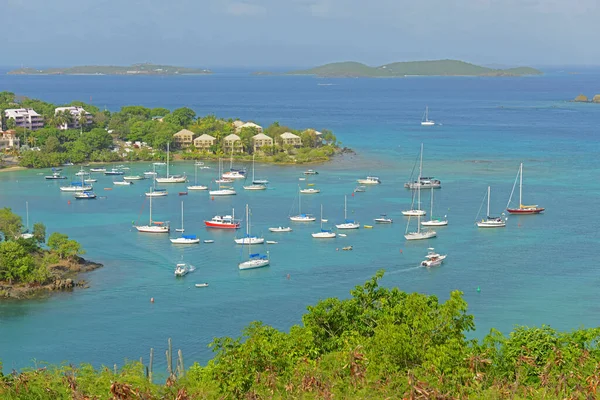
{"points": [[198, 164], [207, 241], [122, 183], [424, 182], [134, 177], [223, 222], [311, 172], [200, 285], [85, 195], [183, 193], [182, 269], [82, 173], [55, 175], [272, 242], [433, 259], [369, 180], [281, 229], [185, 239], [256, 260], [360, 189], [310, 191], [150, 173], [347, 248], [383, 219], [159, 163]]}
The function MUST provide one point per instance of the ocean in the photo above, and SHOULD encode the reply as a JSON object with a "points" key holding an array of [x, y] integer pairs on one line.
{"points": [[540, 269]]}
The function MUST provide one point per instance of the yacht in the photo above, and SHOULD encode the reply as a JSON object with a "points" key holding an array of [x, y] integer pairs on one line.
{"points": [[223, 222], [369, 180], [433, 259], [310, 191]]}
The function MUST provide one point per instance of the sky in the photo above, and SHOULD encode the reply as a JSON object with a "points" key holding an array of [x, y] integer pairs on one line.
{"points": [[297, 33]]}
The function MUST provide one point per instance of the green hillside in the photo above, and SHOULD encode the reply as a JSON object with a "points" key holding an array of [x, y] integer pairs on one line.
{"points": [[136, 69], [413, 68]]}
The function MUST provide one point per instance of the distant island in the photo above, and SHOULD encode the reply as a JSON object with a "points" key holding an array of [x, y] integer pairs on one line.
{"points": [[135, 69], [352, 69]]}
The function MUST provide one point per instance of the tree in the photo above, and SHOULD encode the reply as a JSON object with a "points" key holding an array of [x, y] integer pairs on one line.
{"points": [[181, 117], [82, 119], [39, 232], [15, 263], [97, 139], [11, 123], [11, 225], [63, 246], [159, 112], [52, 144]]}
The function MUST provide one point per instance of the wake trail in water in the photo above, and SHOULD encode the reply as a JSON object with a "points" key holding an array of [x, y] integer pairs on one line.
{"points": [[400, 271]]}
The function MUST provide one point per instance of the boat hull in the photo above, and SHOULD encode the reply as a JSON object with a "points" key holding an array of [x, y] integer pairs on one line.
{"points": [[348, 226], [251, 240], [156, 194], [310, 191], [280, 229], [383, 220], [171, 179], [420, 235], [491, 224], [252, 264], [75, 188], [414, 213], [185, 241], [434, 223], [525, 211], [415, 185], [324, 235], [210, 224], [152, 229], [197, 187], [303, 219], [223, 192]]}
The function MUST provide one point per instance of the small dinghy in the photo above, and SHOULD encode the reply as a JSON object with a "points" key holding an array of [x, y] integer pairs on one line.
{"points": [[271, 242], [347, 248], [201, 284], [209, 241]]}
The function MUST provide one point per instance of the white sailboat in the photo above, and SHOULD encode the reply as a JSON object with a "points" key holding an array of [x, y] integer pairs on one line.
{"points": [[426, 121], [249, 239], [184, 239], [222, 190], [418, 235], [195, 186], [233, 173], [154, 192], [323, 234], [27, 234], [490, 222], [348, 224], [153, 226], [169, 178], [434, 221], [255, 185], [418, 212], [302, 217]]}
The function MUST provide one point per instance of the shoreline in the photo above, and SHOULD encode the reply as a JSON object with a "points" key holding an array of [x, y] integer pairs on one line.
{"points": [[14, 168]]}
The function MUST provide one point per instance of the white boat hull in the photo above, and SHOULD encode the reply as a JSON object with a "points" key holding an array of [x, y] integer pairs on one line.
{"points": [[427, 123], [250, 240], [367, 182], [324, 235], [152, 229], [310, 191], [383, 220], [491, 224], [255, 187], [251, 264], [414, 213], [172, 179], [423, 185], [75, 188], [233, 175], [222, 192], [133, 178], [299, 218], [197, 187], [348, 226], [280, 229], [420, 235], [434, 223], [184, 241], [124, 183], [156, 194]]}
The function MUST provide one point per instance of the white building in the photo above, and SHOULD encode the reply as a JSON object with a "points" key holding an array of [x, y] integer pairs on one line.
{"points": [[76, 113], [24, 118], [9, 140]]}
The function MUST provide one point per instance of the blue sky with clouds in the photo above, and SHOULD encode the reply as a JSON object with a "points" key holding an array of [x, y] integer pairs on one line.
{"points": [[285, 33]]}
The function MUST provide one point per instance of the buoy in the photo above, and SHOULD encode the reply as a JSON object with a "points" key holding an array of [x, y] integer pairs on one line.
{"points": [[352, 194], [337, 249], [288, 276], [132, 222], [212, 198], [151, 299], [69, 202], [400, 251], [478, 289]]}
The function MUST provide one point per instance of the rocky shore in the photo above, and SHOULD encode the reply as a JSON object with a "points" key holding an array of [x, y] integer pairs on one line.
{"points": [[64, 278]]}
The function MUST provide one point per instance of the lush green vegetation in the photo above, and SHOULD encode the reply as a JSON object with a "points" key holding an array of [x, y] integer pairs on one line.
{"points": [[142, 69], [25, 260], [380, 344], [105, 139], [400, 69]]}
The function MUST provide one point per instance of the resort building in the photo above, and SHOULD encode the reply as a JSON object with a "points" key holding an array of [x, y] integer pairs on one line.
{"points": [[261, 140], [9, 140], [76, 117], [184, 138], [288, 138], [233, 143], [204, 142], [239, 125], [24, 118]]}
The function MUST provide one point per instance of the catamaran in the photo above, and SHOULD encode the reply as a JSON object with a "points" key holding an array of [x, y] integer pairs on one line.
{"points": [[302, 217], [249, 239], [184, 239], [490, 222], [195, 186], [426, 121], [348, 224], [171, 178], [523, 209], [256, 185], [153, 226], [434, 221], [323, 233]]}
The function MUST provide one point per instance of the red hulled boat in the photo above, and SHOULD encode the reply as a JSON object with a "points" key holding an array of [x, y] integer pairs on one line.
{"points": [[522, 209], [223, 222]]}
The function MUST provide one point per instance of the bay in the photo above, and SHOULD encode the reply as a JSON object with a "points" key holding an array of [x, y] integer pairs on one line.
{"points": [[539, 269]]}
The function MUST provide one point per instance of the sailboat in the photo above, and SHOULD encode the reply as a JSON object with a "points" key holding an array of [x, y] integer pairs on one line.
{"points": [[222, 190], [418, 235], [523, 209], [184, 239], [77, 187], [249, 239], [426, 121], [434, 221], [171, 178], [323, 234], [255, 185], [348, 224], [418, 212], [153, 226], [234, 173], [195, 186], [490, 222], [27, 234], [154, 192], [301, 217]]}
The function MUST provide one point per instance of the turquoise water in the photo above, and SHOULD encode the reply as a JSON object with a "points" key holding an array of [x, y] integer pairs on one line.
{"points": [[539, 269]]}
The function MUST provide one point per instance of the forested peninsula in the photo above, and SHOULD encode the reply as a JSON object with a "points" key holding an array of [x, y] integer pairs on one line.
{"points": [[135, 69], [352, 69], [379, 343]]}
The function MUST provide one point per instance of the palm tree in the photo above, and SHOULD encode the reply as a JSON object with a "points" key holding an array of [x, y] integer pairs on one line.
{"points": [[82, 119]]}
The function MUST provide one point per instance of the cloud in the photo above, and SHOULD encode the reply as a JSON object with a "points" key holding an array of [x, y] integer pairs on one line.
{"points": [[245, 9]]}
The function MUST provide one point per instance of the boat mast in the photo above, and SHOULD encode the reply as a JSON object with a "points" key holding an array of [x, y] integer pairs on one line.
{"points": [[345, 205], [150, 211], [321, 217], [167, 159], [247, 222], [520, 185], [195, 174], [488, 206], [419, 192], [27, 212], [252, 168], [300, 202], [431, 212], [182, 215]]}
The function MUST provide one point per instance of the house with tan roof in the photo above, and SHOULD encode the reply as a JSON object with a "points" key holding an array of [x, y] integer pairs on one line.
{"points": [[232, 143], [288, 138], [184, 138], [239, 127], [261, 140], [204, 142]]}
